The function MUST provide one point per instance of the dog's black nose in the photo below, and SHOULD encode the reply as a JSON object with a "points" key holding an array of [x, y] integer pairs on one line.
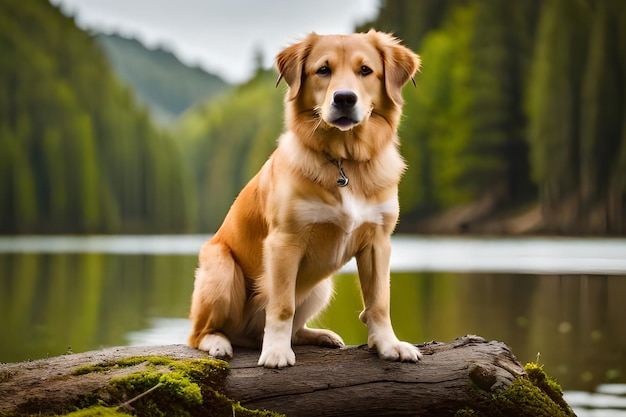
{"points": [[344, 98]]}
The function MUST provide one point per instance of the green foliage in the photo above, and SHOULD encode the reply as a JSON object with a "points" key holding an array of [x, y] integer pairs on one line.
{"points": [[553, 100], [603, 133], [78, 155], [576, 113], [463, 132], [518, 104], [435, 130], [496, 153], [228, 139], [514, 97], [18, 198], [410, 20]]}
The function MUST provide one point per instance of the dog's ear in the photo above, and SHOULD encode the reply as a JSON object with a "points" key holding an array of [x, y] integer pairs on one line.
{"points": [[290, 64], [399, 62]]}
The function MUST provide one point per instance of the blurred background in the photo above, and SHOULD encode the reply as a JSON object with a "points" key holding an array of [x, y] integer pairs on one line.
{"points": [[142, 117], [516, 126]]}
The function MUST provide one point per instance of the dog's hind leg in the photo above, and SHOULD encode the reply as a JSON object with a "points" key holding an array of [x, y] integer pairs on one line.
{"points": [[314, 304], [218, 300]]}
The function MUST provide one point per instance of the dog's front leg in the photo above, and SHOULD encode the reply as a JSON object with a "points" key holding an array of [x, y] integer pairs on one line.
{"points": [[282, 258], [373, 266]]}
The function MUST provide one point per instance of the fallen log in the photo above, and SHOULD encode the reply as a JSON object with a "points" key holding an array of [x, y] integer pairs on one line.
{"points": [[469, 375]]}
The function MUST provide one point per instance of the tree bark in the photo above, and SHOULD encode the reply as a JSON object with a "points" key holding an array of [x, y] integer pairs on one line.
{"points": [[355, 382], [324, 382]]}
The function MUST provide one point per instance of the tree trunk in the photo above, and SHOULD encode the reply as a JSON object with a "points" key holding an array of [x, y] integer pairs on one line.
{"points": [[355, 382], [324, 382]]}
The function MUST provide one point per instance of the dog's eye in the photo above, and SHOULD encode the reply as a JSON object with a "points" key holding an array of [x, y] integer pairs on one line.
{"points": [[323, 71], [365, 70]]}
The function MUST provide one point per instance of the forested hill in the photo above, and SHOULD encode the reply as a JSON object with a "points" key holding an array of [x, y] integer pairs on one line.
{"points": [[77, 154], [518, 124], [158, 78]]}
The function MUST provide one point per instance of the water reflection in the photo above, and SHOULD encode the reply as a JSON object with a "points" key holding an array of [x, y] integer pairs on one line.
{"points": [[54, 302], [575, 323], [50, 304]]}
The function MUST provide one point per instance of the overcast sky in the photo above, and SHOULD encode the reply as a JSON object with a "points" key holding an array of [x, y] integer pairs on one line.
{"points": [[221, 36]]}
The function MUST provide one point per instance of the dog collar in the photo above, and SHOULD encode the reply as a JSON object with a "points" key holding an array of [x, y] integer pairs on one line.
{"points": [[342, 181]]}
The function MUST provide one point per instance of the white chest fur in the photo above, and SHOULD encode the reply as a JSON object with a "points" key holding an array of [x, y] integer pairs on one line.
{"points": [[349, 213]]}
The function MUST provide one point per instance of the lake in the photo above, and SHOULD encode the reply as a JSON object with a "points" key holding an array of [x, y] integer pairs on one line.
{"points": [[557, 301]]}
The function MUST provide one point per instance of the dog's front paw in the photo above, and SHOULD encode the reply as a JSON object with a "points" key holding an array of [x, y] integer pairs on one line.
{"points": [[276, 357], [399, 351], [216, 345]]}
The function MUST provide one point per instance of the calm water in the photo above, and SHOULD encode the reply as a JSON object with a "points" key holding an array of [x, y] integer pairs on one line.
{"points": [[559, 301]]}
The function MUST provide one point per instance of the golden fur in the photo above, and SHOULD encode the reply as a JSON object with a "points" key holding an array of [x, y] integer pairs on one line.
{"points": [[265, 272]]}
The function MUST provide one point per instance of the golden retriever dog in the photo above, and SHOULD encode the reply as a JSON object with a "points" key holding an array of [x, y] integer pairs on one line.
{"points": [[328, 193]]}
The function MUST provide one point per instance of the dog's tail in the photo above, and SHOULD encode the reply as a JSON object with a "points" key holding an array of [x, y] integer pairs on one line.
{"points": [[219, 294]]}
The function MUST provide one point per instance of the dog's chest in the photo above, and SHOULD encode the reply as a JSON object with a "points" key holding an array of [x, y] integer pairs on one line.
{"points": [[348, 212]]}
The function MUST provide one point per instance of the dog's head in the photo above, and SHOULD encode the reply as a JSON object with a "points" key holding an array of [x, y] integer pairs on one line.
{"points": [[340, 83]]}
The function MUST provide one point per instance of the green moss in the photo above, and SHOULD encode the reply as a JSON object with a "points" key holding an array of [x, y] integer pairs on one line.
{"points": [[170, 393], [540, 379], [98, 411], [164, 387], [535, 394], [125, 363]]}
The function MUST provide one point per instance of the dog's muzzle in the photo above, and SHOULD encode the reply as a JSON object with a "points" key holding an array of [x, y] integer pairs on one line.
{"points": [[344, 113]]}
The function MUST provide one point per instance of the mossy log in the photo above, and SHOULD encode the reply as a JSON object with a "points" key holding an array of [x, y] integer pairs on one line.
{"points": [[468, 377]]}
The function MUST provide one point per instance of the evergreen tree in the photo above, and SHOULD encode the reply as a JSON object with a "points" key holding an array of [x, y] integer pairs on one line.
{"points": [[410, 20], [78, 155], [601, 123], [497, 152], [228, 139], [436, 128], [554, 107]]}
